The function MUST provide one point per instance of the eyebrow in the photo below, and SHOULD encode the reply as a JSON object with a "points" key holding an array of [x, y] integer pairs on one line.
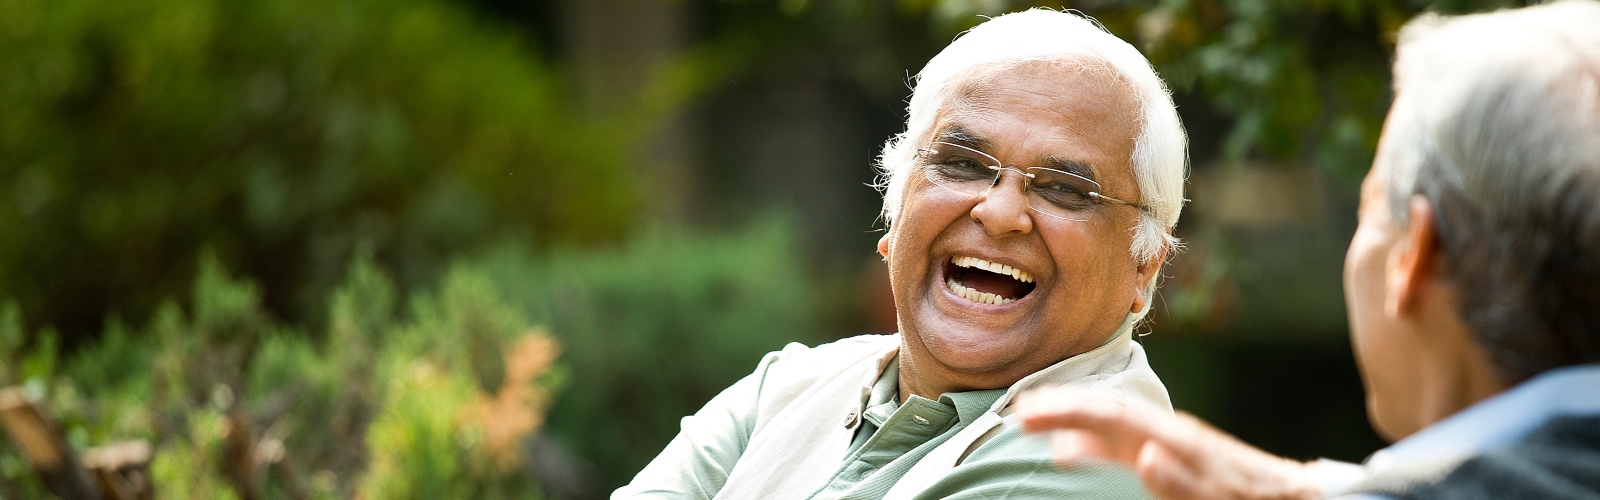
{"points": [[957, 134], [1078, 167]]}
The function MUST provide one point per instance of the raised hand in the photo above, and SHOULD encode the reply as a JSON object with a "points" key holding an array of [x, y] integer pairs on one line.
{"points": [[1178, 457]]}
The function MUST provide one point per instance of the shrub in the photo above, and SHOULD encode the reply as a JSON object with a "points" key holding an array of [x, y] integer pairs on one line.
{"points": [[442, 395], [281, 133], [389, 406], [654, 329]]}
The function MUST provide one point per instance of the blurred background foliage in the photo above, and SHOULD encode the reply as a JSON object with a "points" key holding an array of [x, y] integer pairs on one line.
{"points": [[655, 329], [412, 418], [366, 229], [280, 133]]}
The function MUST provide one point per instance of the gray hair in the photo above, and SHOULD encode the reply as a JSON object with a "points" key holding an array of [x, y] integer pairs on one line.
{"points": [[1159, 157], [1496, 120]]}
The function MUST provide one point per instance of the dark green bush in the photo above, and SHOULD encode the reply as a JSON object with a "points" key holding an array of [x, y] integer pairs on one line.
{"points": [[279, 133], [438, 396], [653, 330], [391, 406]]}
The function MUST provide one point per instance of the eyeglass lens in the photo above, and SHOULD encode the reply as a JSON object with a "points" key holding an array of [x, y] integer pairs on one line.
{"points": [[967, 171]]}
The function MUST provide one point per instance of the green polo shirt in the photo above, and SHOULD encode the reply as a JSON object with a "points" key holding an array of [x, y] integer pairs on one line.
{"points": [[892, 437]]}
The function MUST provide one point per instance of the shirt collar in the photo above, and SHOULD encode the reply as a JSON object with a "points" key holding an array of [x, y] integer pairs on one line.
{"points": [[971, 404], [1096, 361]]}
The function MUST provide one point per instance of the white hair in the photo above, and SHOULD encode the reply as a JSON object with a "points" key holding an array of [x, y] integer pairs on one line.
{"points": [[1496, 121], [1159, 156], [1504, 107]]}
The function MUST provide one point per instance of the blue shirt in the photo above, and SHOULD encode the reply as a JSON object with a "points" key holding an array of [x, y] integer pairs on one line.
{"points": [[1499, 421]]}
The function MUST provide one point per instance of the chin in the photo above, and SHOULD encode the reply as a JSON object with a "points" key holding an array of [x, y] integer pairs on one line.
{"points": [[1389, 425], [972, 349]]}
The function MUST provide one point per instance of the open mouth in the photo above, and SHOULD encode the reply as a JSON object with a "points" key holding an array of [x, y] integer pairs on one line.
{"points": [[986, 282]]}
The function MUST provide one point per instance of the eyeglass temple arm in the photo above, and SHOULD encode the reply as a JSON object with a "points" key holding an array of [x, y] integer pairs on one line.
{"points": [[1108, 198]]}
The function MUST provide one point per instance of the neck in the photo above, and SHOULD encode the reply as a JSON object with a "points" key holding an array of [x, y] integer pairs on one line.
{"points": [[923, 381], [1461, 373]]}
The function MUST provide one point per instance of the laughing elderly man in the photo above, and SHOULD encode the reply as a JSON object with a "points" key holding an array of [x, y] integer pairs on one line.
{"points": [[1030, 203], [1473, 282]]}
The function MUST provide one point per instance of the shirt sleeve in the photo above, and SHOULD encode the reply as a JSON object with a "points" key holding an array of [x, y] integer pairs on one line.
{"points": [[1335, 476], [1017, 466], [696, 463]]}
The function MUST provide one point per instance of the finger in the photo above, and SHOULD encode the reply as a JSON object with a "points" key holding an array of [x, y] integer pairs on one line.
{"points": [[1108, 432], [1197, 444], [1096, 414], [1054, 399], [1071, 446], [1186, 439], [1208, 463], [1168, 476], [1048, 403], [1121, 427]]}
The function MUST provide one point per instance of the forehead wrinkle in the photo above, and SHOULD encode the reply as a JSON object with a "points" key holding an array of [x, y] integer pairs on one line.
{"points": [[1114, 89], [969, 108]]}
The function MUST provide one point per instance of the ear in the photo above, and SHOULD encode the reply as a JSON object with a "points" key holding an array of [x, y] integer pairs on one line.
{"points": [[1147, 275], [883, 246], [1413, 262]]}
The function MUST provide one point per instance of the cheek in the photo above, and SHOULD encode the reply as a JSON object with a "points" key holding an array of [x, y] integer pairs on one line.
{"points": [[923, 217], [1106, 246], [1094, 264], [1382, 356], [1363, 273], [1363, 290]]}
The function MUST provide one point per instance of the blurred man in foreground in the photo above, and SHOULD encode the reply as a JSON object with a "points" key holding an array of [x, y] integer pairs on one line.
{"points": [[1031, 200], [1473, 283]]}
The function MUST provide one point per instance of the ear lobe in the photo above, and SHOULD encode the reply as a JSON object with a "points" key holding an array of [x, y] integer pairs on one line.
{"points": [[883, 246], [1413, 262]]}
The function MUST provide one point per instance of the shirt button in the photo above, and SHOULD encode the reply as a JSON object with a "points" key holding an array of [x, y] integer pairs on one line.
{"points": [[919, 420], [851, 419]]}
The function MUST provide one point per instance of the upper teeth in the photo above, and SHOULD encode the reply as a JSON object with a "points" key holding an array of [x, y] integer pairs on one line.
{"points": [[1019, 274]]}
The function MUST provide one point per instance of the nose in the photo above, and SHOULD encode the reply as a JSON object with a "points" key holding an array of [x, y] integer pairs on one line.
{"points": [[1004, 208]]}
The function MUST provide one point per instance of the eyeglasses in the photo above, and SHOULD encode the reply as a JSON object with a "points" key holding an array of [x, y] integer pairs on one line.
{"points": [[1056, 193]]}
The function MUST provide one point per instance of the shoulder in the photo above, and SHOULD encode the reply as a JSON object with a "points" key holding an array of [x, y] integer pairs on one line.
{"points": [[799, 361], [828, 374], [1117, 370], [1560, 459], [1015, 465]]}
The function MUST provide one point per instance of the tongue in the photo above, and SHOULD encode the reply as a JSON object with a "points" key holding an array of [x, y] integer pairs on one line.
{"points": [[995, 283]]}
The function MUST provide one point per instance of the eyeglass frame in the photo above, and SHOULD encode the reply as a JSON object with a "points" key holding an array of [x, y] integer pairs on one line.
{"points": [[1000, 168]]}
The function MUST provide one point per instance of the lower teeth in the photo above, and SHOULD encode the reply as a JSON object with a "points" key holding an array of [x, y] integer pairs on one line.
{"points": [[976, 296]]}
